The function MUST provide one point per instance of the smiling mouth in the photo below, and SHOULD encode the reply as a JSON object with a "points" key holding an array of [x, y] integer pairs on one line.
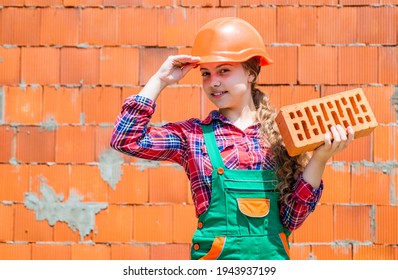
{"points": [[218, 93]]}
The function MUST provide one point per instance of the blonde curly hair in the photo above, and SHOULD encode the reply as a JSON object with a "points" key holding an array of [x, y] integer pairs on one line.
{"points": [[287, 168]]}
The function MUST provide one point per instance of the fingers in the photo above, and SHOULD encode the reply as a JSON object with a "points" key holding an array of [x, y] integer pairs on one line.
{"points": [[341, 137], [181, 61]]}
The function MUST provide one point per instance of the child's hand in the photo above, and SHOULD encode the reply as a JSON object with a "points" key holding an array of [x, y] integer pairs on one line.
{"points": [[175, 67], [341, 139]]}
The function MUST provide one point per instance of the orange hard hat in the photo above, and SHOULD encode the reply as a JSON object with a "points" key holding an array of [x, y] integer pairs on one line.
{"points": [[229, 39]]}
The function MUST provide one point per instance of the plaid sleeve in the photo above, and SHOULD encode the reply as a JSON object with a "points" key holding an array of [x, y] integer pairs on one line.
{"points": [[132, 134], [300, 204]]}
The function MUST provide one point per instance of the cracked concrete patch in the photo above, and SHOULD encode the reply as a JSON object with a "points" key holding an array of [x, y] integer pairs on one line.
{"points": [[77, 214]]}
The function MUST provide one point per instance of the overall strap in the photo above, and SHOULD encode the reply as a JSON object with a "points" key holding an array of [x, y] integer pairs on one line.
{"points": [[212, 147]]}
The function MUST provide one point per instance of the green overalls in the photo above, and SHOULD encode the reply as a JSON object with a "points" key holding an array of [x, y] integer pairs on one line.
{"points": [[242, 221]]}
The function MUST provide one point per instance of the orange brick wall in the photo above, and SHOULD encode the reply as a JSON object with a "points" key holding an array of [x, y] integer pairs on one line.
{"points": [[67, 65]]}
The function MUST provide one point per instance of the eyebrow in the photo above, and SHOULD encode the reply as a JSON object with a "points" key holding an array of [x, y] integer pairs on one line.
{"points": [[218, 66]]}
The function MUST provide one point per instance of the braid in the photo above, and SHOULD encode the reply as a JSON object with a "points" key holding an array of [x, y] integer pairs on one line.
{"points": [[287, 168]]}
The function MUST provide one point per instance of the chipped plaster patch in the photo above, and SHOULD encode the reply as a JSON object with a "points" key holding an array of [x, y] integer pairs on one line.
{"points": [[110, 165], [77, 214]]}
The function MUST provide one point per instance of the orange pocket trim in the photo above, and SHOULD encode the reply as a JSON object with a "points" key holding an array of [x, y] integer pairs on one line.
{"points": [[216, 249], [282, 236], [254, 207]]}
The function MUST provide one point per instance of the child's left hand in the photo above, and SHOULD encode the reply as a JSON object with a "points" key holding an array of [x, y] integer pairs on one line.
{"points": [[341, 139]]}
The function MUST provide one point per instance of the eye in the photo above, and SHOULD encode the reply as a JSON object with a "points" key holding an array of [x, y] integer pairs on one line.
{"points": [[224, 70], [204, 74]]}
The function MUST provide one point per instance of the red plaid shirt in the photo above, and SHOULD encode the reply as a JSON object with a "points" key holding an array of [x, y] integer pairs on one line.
{"points": [[183, 143]]}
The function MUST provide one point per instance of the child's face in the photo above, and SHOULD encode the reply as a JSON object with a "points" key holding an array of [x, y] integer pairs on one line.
{"points": [[226, 84]]}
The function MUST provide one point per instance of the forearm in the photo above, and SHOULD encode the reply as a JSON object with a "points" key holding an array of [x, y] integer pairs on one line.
{"points": [[313, 172], [153, 88]]}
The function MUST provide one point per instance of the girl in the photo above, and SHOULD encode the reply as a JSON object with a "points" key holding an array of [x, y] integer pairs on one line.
{"points": [[248, 193]]}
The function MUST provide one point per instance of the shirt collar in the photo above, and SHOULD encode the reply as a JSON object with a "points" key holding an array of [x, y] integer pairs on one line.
{"points": [[216, 115]]}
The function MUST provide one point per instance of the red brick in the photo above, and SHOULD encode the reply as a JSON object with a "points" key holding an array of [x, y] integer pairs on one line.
{"points": [[176, 26], [28, 228], [337, 25], [23, 105], [6, 138], [107, 102], [353, 223], [10, 66], [262, 19], [153, 223], [59, 26], [377, 25], [358, 2], [99, 26], [313, 118], [284, 70], [35, 144], [13, 3], [75, 144], [102, 138], [150, 61], [160, 3], [200, 3], [388, 65], [132, 188], [131, 31], [173, 190], [62, 105], [130, 251], [386, 224], [43, 3], [6, 223], [51, 252], [296, 25], [318, 227], [317, 65], [300, 252], [55, 176], [184, 223], [336, 179], [40, 65], [114, 224], [119, 66], [369, 185], [15, 183], [170, 252], [12, 251], [91, 3], [332, 252], [361, 150], [373, 252], [357, 65], [91, 252], [385, 147], [180, 104], [20, 26], [318, 2], [80, 66], [64, 233], [86, 181]]}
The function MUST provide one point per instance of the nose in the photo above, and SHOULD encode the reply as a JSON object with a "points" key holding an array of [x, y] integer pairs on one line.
{"points": [[215, 83]]}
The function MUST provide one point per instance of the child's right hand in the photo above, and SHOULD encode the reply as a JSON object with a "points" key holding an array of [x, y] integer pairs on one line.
{"points": [[175, 67]]}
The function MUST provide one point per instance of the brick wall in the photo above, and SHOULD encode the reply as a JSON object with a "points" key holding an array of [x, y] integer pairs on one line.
{"points": [[67, 65]]}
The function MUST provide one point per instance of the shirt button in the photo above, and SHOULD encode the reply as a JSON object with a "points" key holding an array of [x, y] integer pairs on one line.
{"points": [[196, 246], [200, 225], [220, 171]]}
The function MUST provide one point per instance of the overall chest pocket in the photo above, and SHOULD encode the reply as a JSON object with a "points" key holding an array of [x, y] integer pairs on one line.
{"points": [[251, 211]]}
